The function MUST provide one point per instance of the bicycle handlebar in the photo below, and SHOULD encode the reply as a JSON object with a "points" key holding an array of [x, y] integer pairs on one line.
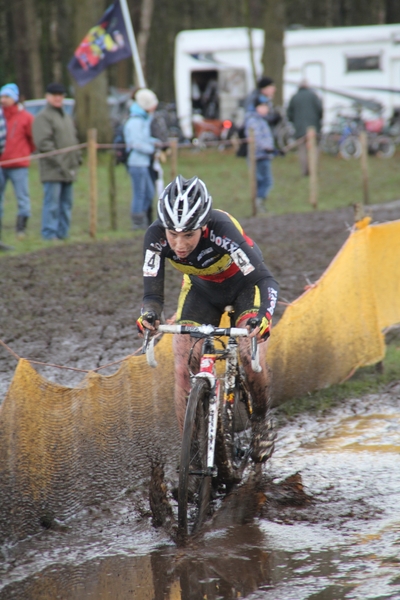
{"points": [[202, 331]]}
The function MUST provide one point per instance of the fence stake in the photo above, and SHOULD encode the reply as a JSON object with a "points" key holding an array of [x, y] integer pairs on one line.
{"points": [[92, 160], [312, 165], [174, 157], [112, 192], [364, 165], [251, 146]]}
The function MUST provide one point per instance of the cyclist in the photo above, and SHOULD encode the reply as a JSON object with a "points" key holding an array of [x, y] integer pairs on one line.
{"points": [[221, 266]]}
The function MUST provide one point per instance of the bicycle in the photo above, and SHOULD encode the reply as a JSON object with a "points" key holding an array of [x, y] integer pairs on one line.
{"points": [[216, 441]]}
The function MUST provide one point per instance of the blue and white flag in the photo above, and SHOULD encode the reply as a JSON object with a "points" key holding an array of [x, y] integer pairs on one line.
{"points": [[105, 44]]}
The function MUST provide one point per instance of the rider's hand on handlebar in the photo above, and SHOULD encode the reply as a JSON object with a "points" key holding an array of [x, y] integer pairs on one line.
{"points": [[260, 326], [148, 320]]}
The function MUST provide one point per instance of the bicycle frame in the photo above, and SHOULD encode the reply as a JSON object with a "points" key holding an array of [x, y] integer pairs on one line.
{"points": [[208, 358]]}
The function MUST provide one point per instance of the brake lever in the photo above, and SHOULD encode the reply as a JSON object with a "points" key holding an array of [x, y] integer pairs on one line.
{"points": [[148, 348]]}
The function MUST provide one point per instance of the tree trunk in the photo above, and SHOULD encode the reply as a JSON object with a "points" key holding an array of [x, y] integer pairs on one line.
{"points": [[55, 48], [26, 48], [274, 54], [91, 109], [143, 37]]}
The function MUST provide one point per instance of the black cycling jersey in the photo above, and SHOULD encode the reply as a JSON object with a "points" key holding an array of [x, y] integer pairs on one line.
{"points": [[224, 254]]}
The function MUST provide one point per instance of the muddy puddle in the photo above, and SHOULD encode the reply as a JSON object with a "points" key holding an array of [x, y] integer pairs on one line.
{"points": [[344, 542]]}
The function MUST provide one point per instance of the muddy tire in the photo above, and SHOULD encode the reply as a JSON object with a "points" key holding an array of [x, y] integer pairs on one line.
{"points": [[234, 437], [194, 485]]}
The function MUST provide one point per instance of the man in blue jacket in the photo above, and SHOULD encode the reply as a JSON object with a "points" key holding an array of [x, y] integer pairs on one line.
{"points": [[257, 124], [141, 146]]}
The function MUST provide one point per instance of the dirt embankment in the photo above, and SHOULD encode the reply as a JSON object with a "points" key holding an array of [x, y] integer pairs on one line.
{"points": [[76, 305]]}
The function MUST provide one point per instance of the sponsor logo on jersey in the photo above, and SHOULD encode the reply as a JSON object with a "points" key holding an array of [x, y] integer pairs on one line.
{"points": [[224, 242], [159, 245], [242, 261], [204, 252], [151, 264], [273, 298]]}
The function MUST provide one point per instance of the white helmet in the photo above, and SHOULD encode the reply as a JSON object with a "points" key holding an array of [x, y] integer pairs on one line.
{"points": [[185, 204]]}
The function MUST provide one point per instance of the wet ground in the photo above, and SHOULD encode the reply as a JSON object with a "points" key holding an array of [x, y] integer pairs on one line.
{"points": [[337, 537], [76, 305]]}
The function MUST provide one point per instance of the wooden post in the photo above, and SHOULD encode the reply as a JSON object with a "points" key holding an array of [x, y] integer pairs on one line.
{"points": [[364, 165], [251, 147], [112, 192], [312, 165], [174, 157], [92, 160]]}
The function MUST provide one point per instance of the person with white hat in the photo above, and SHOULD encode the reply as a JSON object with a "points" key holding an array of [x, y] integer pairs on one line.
{"points": [[19, 145], [141, 146]]}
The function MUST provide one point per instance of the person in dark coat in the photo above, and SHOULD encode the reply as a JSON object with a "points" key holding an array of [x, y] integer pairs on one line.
{"points": [[304, 110], [54, 129], [264, 93]]}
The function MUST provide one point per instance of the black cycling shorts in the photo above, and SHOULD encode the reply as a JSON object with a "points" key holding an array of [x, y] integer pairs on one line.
{"points": [[203, 302]]}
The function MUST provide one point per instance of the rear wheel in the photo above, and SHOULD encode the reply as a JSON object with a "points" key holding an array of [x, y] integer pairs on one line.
{"points": [[234, 436], [385, 147], [194, 483]]}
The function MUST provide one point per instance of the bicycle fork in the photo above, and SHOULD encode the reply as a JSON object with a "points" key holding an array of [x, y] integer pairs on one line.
{"points": [[207, 371]]}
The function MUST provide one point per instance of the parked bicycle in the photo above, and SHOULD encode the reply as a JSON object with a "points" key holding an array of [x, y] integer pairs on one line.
{"points": [[217, 435], [344, 137]]}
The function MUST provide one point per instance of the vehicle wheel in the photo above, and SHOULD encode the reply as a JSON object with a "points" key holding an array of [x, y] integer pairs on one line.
{"points": [[385, 147], [350, 147], [234, 436], [194, 486]]}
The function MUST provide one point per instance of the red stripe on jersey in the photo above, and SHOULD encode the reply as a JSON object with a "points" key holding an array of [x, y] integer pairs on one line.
{"points": [[248, 240], [218, 277]]}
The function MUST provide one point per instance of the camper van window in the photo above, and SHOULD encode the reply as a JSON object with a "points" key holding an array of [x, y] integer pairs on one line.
{"points": [[363, 63]]}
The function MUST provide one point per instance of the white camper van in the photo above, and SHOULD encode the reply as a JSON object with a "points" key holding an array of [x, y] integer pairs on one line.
{"points": [[342, 63]]}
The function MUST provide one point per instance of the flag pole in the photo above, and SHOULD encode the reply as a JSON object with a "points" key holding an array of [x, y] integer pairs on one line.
{"points": [[132, 43]]}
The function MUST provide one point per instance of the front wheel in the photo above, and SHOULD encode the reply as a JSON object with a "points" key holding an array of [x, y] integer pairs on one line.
{"points": [[194, 483]]}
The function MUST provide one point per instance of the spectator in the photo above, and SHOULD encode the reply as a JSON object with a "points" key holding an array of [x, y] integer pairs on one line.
{"points": [[19, 145], [264, 150], [304, 110], [54, 129], [3, 131], [264, 92], [141, 146]]}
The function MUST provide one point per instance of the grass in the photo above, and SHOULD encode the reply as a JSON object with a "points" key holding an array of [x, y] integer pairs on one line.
{"points": [[367, 380], [227, 179]]}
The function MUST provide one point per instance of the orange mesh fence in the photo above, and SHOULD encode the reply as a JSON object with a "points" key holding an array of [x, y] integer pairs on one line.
{"points": [[62, 448]]}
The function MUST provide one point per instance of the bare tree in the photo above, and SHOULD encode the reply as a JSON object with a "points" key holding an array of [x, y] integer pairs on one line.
{"points": [[26, 48], [274, 54], [144, 33]]}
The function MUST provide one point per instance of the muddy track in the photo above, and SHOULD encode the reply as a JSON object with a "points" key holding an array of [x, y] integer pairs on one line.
{"points": [[76, 304]]}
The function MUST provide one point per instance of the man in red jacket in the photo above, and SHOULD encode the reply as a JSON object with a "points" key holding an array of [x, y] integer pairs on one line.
{"points": [[19, 145]]}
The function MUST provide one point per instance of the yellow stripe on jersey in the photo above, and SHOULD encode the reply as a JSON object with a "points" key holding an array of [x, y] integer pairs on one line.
{"points": [[257, 297], [218, 267], [182, 295]]}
